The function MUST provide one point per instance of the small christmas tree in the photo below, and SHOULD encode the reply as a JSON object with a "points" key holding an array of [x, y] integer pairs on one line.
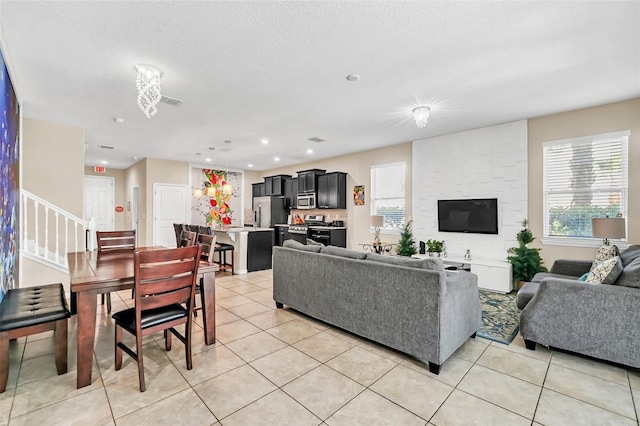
{"points": [[406, 245]]}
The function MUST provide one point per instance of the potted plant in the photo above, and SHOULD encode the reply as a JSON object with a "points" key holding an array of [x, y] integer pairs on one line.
{"points": [[406, 245], [525, 261], [434, 247]]}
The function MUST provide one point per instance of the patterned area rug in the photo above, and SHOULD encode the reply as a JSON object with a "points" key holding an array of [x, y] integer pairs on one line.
{"points": [[500, 316]]}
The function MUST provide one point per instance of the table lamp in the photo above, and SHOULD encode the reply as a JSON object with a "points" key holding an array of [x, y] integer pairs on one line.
{"points": [[608, 227], [376, 223]]}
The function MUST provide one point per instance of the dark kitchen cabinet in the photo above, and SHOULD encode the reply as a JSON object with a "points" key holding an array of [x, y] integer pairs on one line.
{"points": [[259, 250], [329, 236], [332, 191], [291, 193], [280, 236], [268, 185], [308, 180], [258, 189]]}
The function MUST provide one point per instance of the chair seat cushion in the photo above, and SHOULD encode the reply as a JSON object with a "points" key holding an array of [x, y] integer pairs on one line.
{"points": [[224, 247], [24, 307], [127, 318]]}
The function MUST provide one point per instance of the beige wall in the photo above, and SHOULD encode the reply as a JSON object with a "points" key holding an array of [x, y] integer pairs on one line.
{"points": [[119, 182], [53, 163], [358, 168], [53, 169], [590, 121], [136, 175]]}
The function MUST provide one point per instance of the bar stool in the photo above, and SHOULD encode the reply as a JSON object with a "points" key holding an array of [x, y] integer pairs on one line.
{"points": [[222, 249]]}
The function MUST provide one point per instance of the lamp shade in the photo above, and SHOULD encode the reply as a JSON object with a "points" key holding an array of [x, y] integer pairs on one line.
{"points": [[377, 221], [608, 227]]}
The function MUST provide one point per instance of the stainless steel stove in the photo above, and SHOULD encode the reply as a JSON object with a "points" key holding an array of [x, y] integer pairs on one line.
{"points": [[309, 220]]}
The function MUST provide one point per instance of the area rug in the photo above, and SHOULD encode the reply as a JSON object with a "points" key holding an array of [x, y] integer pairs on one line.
{"points": [[500, 316]]}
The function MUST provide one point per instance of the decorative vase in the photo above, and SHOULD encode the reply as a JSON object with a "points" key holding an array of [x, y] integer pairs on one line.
{"points": [[434, 254]]}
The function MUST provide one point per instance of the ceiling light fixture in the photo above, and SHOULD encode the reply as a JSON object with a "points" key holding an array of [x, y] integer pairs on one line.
{"points": [[421, 115], [148, 85], [309, 151], [353, 77], [264, 141], [276, 158], [249, 165]]}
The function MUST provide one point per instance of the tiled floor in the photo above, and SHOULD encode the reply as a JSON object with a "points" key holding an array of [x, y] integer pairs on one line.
{"points": [[277, 367]]}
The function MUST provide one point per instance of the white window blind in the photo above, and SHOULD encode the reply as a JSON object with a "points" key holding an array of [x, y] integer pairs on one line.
{"points": [[388, 193], [584, 178]]}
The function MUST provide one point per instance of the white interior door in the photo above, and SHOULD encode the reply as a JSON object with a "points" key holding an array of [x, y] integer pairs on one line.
{"points": [[98, 201], [170, 205], [135, 213]]}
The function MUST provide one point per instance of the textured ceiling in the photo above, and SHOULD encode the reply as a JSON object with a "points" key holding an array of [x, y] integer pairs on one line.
{"points": [[277, 70]]}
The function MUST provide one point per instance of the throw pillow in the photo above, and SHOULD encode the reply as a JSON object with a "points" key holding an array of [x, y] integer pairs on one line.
{"points": [[584, 277], [606, 272], [630, 254], [311, 242], [630, 276], [339, 251], [431, 263], [604, 253]]}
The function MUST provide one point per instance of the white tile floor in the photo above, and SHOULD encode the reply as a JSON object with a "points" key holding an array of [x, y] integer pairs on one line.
{"points": [[278, 367]]}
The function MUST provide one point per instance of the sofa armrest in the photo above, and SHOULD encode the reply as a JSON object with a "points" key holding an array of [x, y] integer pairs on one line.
{"points": [[572, 267], [591, 319]]}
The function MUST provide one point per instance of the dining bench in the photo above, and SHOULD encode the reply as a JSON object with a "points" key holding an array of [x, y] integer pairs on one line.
{"points": [[32, 310]]}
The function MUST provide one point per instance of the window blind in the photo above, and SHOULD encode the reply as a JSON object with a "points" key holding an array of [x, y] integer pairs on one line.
{"points": [[584, 178], [388, 194]]}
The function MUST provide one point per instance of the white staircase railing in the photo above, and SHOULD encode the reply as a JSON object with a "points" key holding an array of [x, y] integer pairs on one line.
{"points": [[49, 232]]}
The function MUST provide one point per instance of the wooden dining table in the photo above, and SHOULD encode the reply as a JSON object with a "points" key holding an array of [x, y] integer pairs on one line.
{"points": [[92, 273]]}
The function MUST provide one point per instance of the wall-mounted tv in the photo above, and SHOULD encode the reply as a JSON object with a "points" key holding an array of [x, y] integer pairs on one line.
{"points": [[477, 216]]}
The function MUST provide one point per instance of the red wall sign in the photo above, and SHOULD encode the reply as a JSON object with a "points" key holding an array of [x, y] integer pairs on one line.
{"points": [[99, 169], [119, 209]]}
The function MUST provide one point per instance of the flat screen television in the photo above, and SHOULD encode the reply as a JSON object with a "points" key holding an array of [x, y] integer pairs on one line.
{"points": [[477, 216]]}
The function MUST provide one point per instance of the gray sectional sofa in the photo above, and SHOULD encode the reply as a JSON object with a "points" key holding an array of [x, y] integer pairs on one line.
{"points": [[597, 320], [410, 305]]}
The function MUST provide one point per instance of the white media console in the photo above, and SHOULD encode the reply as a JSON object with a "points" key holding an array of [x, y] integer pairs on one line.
{"points": [[494, 275]]}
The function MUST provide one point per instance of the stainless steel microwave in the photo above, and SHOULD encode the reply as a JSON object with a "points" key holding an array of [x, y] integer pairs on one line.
{"points": [[307, 201]]}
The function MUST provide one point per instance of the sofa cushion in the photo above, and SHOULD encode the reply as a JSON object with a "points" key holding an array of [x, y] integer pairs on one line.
{"points": [[605, 252], [630, 276], [293, 244], [606, 272], [339, 251], [431, 263], [630, 254], [311, 242], [542, 275]]}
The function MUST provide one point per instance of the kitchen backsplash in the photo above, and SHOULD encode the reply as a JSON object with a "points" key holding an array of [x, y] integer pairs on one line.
{"points": [[329, 214]]}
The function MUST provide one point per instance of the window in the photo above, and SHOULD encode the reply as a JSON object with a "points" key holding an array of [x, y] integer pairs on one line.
{"points": [[583, 178], [388, 193]]}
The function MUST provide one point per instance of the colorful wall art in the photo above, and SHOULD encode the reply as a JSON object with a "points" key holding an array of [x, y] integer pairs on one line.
{"points": [[210, 205], [9, 182]]}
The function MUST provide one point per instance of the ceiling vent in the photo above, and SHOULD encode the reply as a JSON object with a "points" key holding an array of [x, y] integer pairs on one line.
{"points": [[171, 101], [316, 140], [105, 147]]}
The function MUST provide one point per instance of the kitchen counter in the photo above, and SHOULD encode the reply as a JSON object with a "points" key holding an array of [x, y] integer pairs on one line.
{"points": [[326, 227], [249, 250]]}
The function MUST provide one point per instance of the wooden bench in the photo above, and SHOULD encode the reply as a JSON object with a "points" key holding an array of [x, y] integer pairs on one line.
{"points": [[32, 310]]}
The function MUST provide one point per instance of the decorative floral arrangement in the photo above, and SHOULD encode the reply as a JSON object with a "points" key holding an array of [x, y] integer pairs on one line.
{"points": [[220, 211]]}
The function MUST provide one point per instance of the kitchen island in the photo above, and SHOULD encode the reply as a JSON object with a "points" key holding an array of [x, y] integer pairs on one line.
{"points": [[252, 247]]}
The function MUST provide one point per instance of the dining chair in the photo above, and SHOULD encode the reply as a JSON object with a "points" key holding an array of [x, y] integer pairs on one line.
{"points": [[114, 242], [178, 228], [164, 281], [208, 243], [187, 238]]}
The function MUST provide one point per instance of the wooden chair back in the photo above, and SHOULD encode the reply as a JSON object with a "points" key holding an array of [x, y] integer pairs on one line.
{"points": [[208, 243], [115, 241], [165, 277], [187, 238]]}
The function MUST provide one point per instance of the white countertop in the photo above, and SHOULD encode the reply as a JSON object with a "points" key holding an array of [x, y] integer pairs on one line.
{"points": [[235, 230], [326, 227]]}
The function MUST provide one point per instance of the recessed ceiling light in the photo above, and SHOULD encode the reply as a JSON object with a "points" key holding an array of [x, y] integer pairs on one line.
{"points": [[353, 77], [276, 158], [104, 162], [264, 141], [118, 120], [249, 165], [134, 158], [207, 159], [309, 151]]}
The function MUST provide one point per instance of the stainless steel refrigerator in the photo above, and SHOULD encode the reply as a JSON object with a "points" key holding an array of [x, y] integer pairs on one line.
{"points": [[268, 211]]}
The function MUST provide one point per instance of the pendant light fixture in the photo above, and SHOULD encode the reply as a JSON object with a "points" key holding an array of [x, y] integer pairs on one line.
{"points": [[421, 115], [227, 188]]}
